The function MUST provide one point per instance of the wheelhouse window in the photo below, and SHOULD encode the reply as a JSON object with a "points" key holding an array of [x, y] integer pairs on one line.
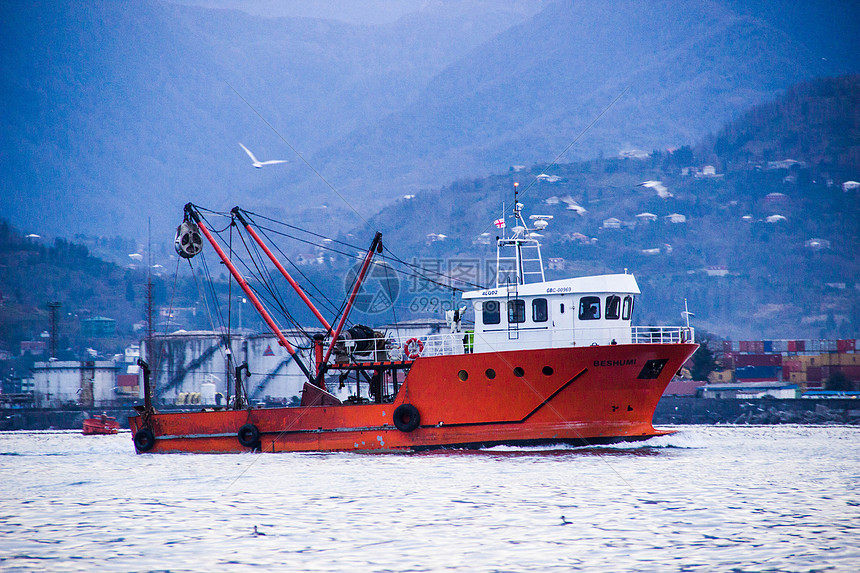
{"points": [[516, 311], [539, 312], [491, 313], [613, 307], [627, 308], [589, 308]]}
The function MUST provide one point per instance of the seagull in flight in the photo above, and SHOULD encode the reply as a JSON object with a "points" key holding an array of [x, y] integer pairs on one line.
{"points": [[257, 163]]}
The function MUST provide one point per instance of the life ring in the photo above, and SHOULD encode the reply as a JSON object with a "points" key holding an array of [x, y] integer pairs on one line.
{"points": [[409, 349], [144, 440], [406, 417], [248, 435]]}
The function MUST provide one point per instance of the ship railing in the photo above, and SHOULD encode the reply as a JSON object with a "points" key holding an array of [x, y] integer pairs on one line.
{"points": [[404, 347], [662, 334], [410, 347]]}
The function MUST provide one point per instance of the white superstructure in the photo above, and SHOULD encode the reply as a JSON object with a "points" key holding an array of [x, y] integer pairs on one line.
{"points": [[524, 311]]}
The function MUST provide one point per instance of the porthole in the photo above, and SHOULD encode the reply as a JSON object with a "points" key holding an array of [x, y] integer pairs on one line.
{"points": [[519, 372], [463, 375], [547, 371], [490, 373]]}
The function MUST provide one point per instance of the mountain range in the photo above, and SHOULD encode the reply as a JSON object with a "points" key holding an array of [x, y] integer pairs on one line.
{"points": [[116, 113], [756, 228]]}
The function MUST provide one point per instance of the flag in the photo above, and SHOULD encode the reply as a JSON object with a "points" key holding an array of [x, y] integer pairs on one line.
{"points": [[500, 223]]}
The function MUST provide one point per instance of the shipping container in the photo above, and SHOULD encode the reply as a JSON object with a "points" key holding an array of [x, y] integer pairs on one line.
{"points": [[813, 345], [759, 360], [800, 346], [780, 346], [736, 346], [813, 374], [758, 373], [758, 347], [848, 359], [797, 377], [849, 345], [768, 346], [852, 372], [791, 365], [746, 346], [727, 345], [828, 345]]}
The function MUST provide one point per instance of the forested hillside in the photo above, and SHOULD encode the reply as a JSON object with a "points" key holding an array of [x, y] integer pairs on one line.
{"points": [[753, 226], [769, 242]]}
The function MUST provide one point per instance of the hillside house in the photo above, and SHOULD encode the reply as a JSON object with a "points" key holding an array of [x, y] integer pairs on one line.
{"points": [[717, 271], [555, 263], [676, 218], [646, 217], [774, 219], [783, 164], [611, 223], [817, 244], [662, 190], [578, 238], [776, 199], [573, 205], [850, 186]]}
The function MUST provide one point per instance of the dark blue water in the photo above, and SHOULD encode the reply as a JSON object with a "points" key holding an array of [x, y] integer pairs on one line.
{"points": [[783, 498]]}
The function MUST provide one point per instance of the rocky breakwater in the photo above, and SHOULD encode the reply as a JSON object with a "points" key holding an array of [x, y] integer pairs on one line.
{"points": [[820, 415]]}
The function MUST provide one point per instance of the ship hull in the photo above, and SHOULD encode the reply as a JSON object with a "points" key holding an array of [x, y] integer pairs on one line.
{"points": [[100, 426], [587, 395]]}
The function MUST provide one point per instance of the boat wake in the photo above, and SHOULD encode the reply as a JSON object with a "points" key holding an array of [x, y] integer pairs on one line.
{"points": [[678, 440]]}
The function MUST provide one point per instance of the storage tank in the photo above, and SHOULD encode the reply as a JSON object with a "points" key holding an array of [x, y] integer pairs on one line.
{"points": [[207, 393]]}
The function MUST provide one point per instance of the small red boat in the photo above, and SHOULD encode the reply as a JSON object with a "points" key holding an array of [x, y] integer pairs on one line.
{"points": [[547, 362], [100, 425]]}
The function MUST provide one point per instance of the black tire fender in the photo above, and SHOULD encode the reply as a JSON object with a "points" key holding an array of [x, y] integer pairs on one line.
{"points": [[144, 440], [248, 435], [406, 417]]}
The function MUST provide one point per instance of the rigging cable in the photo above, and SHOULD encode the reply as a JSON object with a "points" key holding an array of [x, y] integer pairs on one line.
{"points": [[331, 307], [265, 278]]}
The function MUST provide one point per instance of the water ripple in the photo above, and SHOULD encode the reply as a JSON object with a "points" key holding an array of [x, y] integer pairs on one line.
{"points": [[703, 499]]}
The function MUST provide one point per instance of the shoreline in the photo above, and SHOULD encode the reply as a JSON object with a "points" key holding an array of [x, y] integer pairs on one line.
{"points": [[671, 410]]}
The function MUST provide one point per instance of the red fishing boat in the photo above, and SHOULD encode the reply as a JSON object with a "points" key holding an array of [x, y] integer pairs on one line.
{"points": [[547, 362], [100, 425]]}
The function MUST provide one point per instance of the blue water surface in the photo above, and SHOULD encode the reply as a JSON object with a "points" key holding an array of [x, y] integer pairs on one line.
{"points": [[776, 498]]}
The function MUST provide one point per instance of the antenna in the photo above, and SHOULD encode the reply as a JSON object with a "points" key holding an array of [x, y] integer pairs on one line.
{"points": [[54, 306], [149, 326], [687, 314], [516, 193]]}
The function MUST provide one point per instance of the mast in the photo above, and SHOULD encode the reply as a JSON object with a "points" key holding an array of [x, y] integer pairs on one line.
{"points": [[375, 246], [518, 257]]}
